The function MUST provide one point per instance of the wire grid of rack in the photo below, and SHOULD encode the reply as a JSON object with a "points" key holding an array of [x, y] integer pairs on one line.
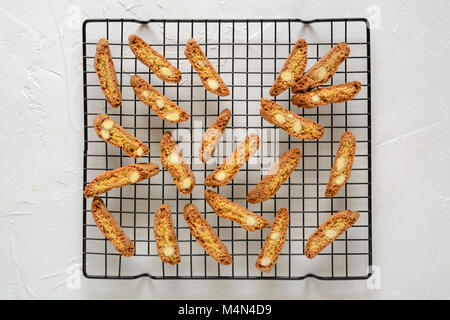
{"points": [[248, 55]]}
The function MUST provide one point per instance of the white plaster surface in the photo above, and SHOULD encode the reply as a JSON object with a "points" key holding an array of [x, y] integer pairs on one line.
{"points": [[41, 146]]}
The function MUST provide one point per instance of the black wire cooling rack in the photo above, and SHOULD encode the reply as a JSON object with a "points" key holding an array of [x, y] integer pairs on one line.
{"points": [[248, 55]]}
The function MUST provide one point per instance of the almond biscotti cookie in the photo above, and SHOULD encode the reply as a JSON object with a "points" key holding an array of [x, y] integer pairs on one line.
{"points": [[205, 70], [111, 132], [342, 166], [211, 138], [275, 240], [120, 177], [329, 231], [163, 107], [295, 125], [106, 73], [292, 69], [327, 95], [277, 175], [205, 235], [111, 229], [165, 237], [324, 69], [224, 208], [173, 161], [152, 59], [226, 172]]}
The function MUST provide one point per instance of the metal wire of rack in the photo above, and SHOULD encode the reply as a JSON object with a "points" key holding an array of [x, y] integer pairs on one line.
{"points": [[248, 55]]}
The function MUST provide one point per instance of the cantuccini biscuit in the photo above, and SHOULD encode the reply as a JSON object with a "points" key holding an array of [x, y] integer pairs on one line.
{"points": [[324, 69], [277, 175], [205, 70], [165, 237], [292, 69], [329, 231], [163, 107], [211, 138], [225, 172], [152, 59], [342, 165], [327, 95], [111, 132], [106, 73], [275, 240], [205, 235], [295, 125], [224, 208], [173, 161], [111, 229], [120, 177]]}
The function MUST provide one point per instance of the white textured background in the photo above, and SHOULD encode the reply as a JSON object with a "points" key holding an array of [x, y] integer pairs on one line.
{"points": [[41, 148]]}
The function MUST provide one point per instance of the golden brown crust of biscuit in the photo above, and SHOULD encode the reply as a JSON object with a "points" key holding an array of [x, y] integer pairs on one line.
{"points": [[292, 69], [275, 240], [226, 172], [329, 231], [205, 235], [111, 229], [165, 109], [224, 208], [120, 177], [211, 138], [173, 161], [165, 237], [152, 59], [106, 73], [119, 137], [322, 71], [346, 150], [327, 95], [277, 175], [205, 69], [295, 125]]}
